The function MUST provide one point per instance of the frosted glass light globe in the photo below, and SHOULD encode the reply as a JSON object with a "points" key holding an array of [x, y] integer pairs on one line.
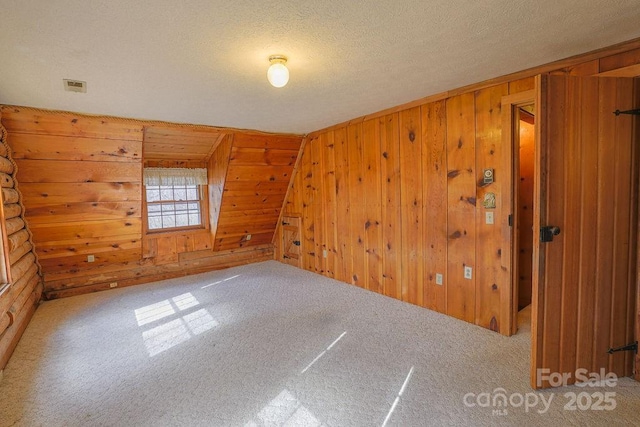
{"points": [[278, 74]]}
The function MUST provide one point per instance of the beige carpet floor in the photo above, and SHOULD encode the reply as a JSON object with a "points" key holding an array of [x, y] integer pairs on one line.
{"points": [[270, 345]]}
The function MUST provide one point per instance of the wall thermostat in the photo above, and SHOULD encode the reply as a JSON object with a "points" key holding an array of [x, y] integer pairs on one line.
{"points": [[488, 176]]}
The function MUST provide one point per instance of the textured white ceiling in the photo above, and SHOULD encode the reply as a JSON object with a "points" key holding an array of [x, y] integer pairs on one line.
{"points": [[205, 61]]}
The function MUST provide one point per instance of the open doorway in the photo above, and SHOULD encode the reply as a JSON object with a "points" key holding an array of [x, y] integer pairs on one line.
{"points": [[524, 148], [518, 126]]}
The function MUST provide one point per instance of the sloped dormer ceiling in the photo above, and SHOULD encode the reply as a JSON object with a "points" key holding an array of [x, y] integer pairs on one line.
{"points": [[183, 143]]}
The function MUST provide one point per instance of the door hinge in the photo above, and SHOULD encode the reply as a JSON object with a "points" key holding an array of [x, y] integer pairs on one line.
{"points": [[510, 220], [635, 112], [629, 347]]}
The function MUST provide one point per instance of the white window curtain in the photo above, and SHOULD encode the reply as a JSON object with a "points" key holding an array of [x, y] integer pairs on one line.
{"points": [[175, 176]]}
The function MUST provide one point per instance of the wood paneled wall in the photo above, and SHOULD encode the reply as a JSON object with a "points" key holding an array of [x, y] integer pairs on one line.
{"points": [[390, 203], [20, 291], [259, 169], [83, 194], [82, 189]]}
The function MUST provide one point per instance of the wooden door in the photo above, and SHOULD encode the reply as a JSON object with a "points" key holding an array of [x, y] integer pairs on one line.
{"points": [[584, 288], [291, 243]]}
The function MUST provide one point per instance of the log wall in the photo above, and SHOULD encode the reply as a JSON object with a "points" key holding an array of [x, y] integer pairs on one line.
{"points": [[82, 185], [21, 287]]}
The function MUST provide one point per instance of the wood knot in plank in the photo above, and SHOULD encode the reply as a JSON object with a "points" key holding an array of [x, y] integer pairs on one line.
{"points": [[493, 325], [453, 173]]}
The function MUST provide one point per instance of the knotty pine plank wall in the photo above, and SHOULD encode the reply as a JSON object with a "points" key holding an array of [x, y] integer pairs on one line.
{"points": [[394, 201], [81, 177], [258, 172]]}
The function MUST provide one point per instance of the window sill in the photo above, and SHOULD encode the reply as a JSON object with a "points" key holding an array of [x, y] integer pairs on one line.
{"points": [[175, 231]]}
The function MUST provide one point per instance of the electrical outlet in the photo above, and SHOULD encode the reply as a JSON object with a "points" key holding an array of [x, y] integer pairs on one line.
{"points": [[324, 253], [248, 237], [91, 258], [113, 284], [488, 217], [468, 272], [439, 279]]}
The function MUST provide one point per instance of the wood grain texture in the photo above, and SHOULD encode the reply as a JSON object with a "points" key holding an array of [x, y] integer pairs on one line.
{"points": [[216, 176], [411, 201], [491, 279], [373, 227], [168, 142], [55, 147], [37, 195], [391, 205], [41, 122], [317, 188], [355, 146], [329, 205], [589, 269], [308, 217], [68, 171], [434, 163], [344, 260], [461, 214], [258, 172]]}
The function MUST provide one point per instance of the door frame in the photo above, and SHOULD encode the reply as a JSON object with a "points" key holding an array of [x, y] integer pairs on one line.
{"points": [[509, 299]]}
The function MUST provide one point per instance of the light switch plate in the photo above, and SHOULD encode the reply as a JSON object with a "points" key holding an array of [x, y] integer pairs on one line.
{"points": [[468, 272], [488, 217], [439, 279], [91, 258]]}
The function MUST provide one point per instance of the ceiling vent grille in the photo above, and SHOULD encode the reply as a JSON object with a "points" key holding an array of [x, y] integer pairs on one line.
{"points": [[75, 86]]}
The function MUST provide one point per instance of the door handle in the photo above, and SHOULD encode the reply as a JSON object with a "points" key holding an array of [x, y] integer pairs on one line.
{"points": [[547, 233]]}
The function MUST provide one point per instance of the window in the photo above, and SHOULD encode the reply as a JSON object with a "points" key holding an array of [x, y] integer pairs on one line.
{"points": [[173, 206], [174, 198]]}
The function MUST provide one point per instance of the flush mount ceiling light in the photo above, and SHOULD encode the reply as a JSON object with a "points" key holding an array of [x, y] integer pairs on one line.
{"points": [[278, 74]]}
